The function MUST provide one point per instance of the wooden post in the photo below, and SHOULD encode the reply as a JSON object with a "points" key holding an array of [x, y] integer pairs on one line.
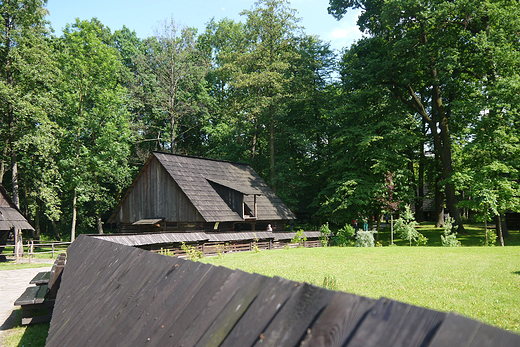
{"points": [[52, 250], [18, 243]]}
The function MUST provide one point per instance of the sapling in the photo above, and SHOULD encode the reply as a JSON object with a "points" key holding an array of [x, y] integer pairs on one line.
{"points": [[406, 225], [449, 239]]}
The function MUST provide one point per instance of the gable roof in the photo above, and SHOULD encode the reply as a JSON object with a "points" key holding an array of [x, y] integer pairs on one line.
{"points": [[10, 215], [195, 177]]}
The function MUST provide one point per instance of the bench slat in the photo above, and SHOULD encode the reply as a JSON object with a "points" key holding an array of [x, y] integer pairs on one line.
{"points": [[41, 278], [32, 295]]}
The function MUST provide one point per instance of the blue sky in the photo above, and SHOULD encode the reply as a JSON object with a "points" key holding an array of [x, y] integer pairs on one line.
{"points": [[143, 16]]}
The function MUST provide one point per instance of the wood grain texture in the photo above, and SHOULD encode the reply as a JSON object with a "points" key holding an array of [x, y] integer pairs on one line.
{"points": [[116, 295]]}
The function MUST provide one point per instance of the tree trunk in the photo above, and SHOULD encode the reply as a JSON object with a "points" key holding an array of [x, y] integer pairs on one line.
{"points": [[505, 230], [37, 226], [419, 201], [74, 211], [55, 229], [391, 228], [2, 162], [447, 168], [271, 153], [14, 174], [499, 230], [439, 206], [99, 225], [172, 135]]}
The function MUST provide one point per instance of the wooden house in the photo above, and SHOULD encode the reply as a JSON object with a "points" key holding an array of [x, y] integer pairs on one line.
{"points": [[176, 193], [11, 219]]}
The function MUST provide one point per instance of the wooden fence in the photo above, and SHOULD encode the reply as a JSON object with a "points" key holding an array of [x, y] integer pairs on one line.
{"points": [[117, 295], [30, 249], [210, 249]]}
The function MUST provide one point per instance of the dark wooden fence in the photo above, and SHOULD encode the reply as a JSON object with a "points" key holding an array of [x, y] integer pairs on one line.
{"points": [[117, 295]]}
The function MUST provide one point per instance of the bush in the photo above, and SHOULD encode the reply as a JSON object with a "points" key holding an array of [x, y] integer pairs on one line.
{"points": [[299, 238], [405, 225], [449, 239], [492, 239], [344, 235], [192, 253], [422, 240], [330, 282], [324, 234], [364, 239]]}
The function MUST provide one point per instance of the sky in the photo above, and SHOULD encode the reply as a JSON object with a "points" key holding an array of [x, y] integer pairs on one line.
{"points": [[142, 16]]}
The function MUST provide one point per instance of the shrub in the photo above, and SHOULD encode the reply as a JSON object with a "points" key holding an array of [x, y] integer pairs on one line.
{"points": [[422, 240], [299, 238], [364, 239], [324, 234], [166, 252], [406, 226], [255, 245], [330, 282], [345, 234], [449, 239], [192, 253], [492, 239]]}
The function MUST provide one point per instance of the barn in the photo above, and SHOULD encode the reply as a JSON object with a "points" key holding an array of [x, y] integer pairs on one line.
{"points": [[178, 193]]}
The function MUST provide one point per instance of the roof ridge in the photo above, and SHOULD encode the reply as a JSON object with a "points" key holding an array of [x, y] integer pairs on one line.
{"points": [[202, 158]]}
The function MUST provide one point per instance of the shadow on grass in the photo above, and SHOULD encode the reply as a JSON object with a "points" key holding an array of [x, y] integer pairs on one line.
{"points": [[26, 336], [516, 272]]}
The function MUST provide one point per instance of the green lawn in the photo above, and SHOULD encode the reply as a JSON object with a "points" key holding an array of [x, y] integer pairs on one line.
{"points": [[479, 282]]}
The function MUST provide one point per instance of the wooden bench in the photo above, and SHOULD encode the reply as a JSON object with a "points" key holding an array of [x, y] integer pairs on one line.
{"points": [[42, 296]]}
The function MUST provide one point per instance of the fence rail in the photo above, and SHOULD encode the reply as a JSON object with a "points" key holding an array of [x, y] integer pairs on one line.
{"points": [[210, 249], [29, 248]]}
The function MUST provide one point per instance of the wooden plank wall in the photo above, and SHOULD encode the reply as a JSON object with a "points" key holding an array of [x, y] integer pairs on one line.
{"points": [[157, 195], [115, 295]]}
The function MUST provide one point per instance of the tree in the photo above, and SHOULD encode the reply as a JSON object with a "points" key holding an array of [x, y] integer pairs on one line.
{"points": [[262, 71], [97, 136], [426, 54], [28, 133], [172, 72]]}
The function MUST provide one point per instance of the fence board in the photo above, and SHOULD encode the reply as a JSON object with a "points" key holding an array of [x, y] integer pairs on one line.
{"points": [[393, 323], [269, 301], [232, 312], [289, 326], [457, 330], [116, 295], [213, 309], [339, 320]]}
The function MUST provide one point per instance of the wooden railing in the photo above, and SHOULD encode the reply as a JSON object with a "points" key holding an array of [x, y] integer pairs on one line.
{"points": [[29, 249], [210, 249]]}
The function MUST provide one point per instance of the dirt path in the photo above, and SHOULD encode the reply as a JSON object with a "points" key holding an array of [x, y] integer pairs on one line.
{"points": [[12, 285]]}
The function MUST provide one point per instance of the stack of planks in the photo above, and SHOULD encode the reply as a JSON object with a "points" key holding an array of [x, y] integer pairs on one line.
{"points": [[116, 295]]}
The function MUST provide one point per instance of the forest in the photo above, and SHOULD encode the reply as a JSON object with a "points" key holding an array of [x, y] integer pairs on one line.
{"points": [[425, 107]]}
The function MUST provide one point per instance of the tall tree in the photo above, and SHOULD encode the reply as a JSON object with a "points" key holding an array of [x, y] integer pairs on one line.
{"points": [[262, 71], [95, 145], [426, 54], [171, 71], [28, 109]]}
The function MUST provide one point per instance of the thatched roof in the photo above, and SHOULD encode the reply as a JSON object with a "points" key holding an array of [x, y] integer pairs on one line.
{"points": [[10, 215]]}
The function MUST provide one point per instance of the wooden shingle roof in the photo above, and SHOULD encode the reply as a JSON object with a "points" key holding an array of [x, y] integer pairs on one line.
{"points": [[115, 295], [193, 175], [10, 216]]}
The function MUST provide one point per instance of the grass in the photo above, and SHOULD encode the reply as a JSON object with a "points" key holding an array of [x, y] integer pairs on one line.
{"points": [[26, 336], [482, 283], [11, 265], [475, 234]]}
